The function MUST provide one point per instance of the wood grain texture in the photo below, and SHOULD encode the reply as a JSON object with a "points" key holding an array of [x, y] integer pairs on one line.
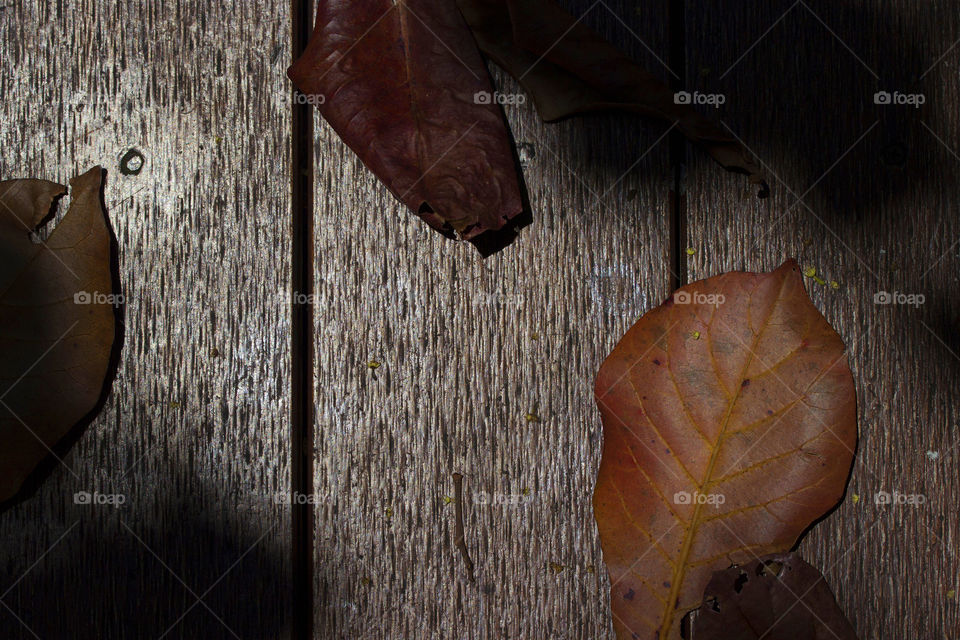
{"points": [[194, 434], [884, 218], [483, 367]]}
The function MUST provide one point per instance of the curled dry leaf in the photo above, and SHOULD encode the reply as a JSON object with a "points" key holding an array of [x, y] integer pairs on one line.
{"points": [[569, 70], [403, 84], [778, 597], [55, 336], [729, 422]]}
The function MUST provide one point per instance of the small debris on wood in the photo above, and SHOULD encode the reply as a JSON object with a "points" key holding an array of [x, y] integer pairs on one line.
{"points": [[459, 536]]}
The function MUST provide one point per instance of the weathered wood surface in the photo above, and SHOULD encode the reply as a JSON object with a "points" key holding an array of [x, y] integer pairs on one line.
{"points": [[483, 366], [195, 432], [468, 349], [879, 213]]}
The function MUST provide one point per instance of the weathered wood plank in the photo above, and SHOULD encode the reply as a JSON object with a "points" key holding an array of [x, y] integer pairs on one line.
{"points": [[881, 192], [486, 368], [194, 434]]}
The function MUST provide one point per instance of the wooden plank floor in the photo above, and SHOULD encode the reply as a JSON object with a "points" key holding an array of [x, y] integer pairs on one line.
{"points": [[195, 432], [432, 361], [486, 369]]}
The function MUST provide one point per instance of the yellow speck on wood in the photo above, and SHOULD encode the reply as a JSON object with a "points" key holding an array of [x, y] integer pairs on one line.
{"points": [[534, 336], [820, 281], [447, 500], [389, 513], [855, 498], [691, 251], [696, 335], [809, 271], [952, 594], [373, 364], [525, 491], [532, 417], [557, 568], [174, 404], [834, 284]]}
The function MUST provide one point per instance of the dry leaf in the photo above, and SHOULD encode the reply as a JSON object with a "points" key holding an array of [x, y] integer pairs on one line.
{"points": [[569, 70], [777, 597], [403, 84], [720, 448], [57, 322]]}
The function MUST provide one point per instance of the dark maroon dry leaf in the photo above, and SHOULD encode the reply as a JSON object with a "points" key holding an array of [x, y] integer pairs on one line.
{"points": [[569, 70], [776, 597], [57, 323], [399, 81]]}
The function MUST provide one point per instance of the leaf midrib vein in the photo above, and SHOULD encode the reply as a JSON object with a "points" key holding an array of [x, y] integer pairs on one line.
{"points": [[680, 569]]}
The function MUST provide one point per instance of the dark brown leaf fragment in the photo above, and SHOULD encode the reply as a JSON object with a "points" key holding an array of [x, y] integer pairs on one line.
{"points": [[570, 70], [776, 597], [57, 321]]}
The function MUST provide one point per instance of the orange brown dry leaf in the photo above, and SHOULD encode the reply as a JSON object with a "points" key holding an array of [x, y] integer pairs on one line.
{"points": [[729, 419]]}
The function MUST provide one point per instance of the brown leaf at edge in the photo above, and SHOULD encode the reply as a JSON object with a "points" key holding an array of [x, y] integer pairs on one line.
{"points": [[398, 81], [56, 348], [776, 597], [728, 429], [570, 70]]}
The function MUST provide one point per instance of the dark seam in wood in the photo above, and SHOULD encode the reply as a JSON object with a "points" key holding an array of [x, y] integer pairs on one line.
{"points": [[301, 353], [678, 145]]}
